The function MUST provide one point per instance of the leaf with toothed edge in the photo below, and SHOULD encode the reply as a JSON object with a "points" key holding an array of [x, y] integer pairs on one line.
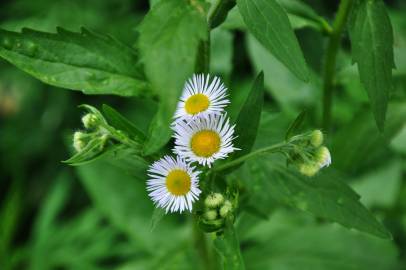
{"points": [[85, 61]]}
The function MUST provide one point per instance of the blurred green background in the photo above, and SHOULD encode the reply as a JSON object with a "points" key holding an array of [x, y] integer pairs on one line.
{"points": [[99, 217]]}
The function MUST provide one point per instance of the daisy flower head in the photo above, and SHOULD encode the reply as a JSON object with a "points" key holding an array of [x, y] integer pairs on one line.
{"points": [[201, 97], [205, 139], [173, 184]]}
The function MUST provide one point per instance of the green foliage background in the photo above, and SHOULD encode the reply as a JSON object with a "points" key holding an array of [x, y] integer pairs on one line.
{"points": [[98, 216]]}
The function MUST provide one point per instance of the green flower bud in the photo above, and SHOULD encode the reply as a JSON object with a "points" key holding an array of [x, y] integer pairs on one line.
{"points": [[210, 214], [79, 140], [309, 169], [89, 120], [226, 209], [214, 200], [316, 138], [323, 157]]}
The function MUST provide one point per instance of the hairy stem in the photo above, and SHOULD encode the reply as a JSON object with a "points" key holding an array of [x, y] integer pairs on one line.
{"points": [[270, 149], [330, 60]]}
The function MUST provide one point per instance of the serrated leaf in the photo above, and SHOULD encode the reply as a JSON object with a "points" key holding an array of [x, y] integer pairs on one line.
{"points": [[372, 49], [86, 61], [168, 42], [324, 195], [295, 125], [118, 121], [268, 22], [248, 119], [228, 247]]}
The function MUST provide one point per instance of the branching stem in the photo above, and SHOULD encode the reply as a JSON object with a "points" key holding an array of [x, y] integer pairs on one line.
{"points": [[270, 149]]}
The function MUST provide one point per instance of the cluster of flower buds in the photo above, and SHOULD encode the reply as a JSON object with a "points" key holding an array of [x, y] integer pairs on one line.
{"points": [[217, 209], [309, 154], [94, 134]]}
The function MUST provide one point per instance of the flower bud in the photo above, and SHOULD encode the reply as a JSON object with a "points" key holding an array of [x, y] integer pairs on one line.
{"points": [[226, 209], [316, 138], [89, 120], [309, 169], [210, 214], [78, 140], [323, 157], [214, 200]]}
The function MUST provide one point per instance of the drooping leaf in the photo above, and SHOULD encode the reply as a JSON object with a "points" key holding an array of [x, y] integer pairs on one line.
{"points": [[290, 93], [324, 195], [228, 247], [169, 38], [372, 49], [289, 240], [268, 22], [118, 121], [295, 125], [86, 61]]}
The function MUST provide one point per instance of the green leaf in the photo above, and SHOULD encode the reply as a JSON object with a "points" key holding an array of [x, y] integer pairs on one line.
{"points": [[291, 241], [324, 195], [118, 121], [304, 15], [290, 93], [86, 61], [228, 247], [268, 22], [359, 145], [94, 149], [295, 125], [168, 42], [121, 196], [248, 119], [372, 48], [219, 12], [157, 216]]}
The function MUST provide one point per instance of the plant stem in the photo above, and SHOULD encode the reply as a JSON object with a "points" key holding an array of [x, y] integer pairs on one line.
{"points": [[201, 245], [270, 149], [330, 60]]}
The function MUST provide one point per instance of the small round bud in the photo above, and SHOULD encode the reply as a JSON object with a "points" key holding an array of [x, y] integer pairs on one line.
{"points": [[210, 214], [316, 138], [323, 157], [78, 141], [226, 209], [214, 200], [309, 169], [89, 120]]}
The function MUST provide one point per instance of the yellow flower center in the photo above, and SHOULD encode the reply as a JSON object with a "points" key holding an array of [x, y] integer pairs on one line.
{"points": [[197, 103], [205, 143], [178, 182]]}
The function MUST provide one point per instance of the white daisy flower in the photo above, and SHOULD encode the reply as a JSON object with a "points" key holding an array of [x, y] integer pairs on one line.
{"points": [[205, 139], [173, 184], [201, 97]]}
